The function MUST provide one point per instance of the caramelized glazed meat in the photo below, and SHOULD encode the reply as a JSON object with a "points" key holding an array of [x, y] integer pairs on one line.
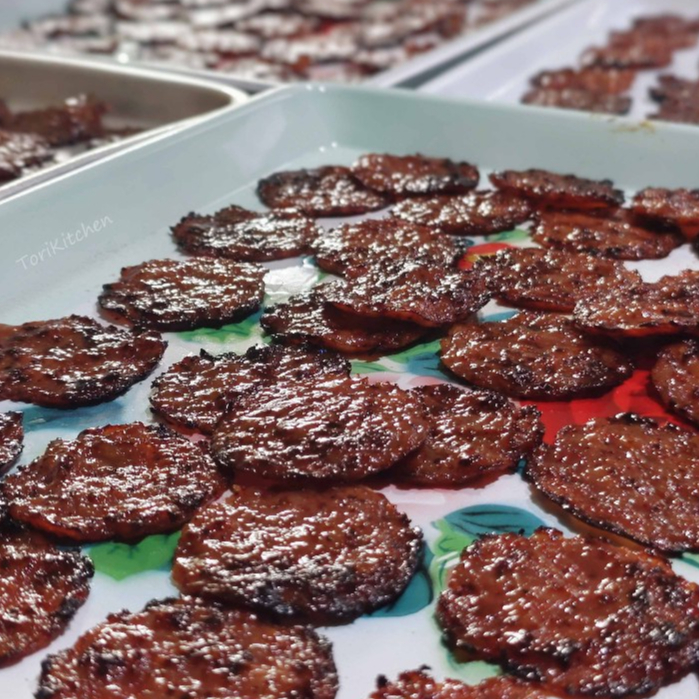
{"points": [[419, 685], [671, 88], [248, 236], [627, 474], [42, 588], [197, 391], [673, 207], [546, 188], [471, 434], [667, 307], [325, 556], [78, 119], [11, 440], [414, 175], [630, 51], [115, 482], [172, 295], [308, 318], [323, 429], [578, 615], [619, 235], [576, 98], [325, 191], [680, 31], [595, 80], [73, 361], [477, 213], [549, 280], [430, 296], [20, 152], [534, 355], [675, 377], [194, 649], [364, 244]]}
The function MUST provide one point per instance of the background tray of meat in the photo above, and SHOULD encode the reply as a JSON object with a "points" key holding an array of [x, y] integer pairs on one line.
{"points": [[258, 43], [67, 239], [639, 58], [60, 113]]}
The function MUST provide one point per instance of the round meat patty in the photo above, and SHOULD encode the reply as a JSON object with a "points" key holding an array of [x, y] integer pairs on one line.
{"points": [[627, 474], [11, 439], [116, 482], [617, 235], [195, 649], [578, 615], [361, 245], [429, 296], [308, 318], [323, 556], [549, 280], [73, 361], [471, 434], [330, 429], [675, 377], [534, 355], [476, 213], [667, 307], [247, 236], [419, 685], [172, 295], [42, 588], [414, 175], [198, 390], [671, 207], [551, 189], [325, 191]]}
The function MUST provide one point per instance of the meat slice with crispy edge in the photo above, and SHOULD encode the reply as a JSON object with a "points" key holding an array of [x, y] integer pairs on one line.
{"points": [[42, 589], [472, 435], [320, 430], [309, 319], [247, 236], [193, 648], [578, 615], [399, 176], [619, 235], [173, 295], [669, 306], [626, 52], [576, 98], [324, 191], [549, 280], [322, 556], [417, 684], [73, 361], [198, 390], [673, 207], [597, 80], [430, 296], [545, 188], [366, 243], [629, 475], [11, 440], [119, 482], [534, 355], [20, 152], [675, 377], [476, 213]]}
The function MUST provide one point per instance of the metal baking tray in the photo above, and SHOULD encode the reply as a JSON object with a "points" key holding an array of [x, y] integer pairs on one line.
{"points": [[119, 212], [409, 73], [502, 74], [138, 97]]}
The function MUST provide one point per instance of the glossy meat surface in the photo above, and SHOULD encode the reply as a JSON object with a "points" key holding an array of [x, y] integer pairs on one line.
{"points": [[320, 430], [576, 98], [675, 377], [73, 361], [534, 355], [578, 615], [597, 80], [20, 152], [675, 207], [323, 556], [11, 439]]}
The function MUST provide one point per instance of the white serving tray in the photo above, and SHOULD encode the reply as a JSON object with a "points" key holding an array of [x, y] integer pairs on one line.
{"points": [[502, 74]]}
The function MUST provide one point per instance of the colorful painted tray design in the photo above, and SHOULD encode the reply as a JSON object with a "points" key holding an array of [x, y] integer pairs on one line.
{"points": [[122, 209]]}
